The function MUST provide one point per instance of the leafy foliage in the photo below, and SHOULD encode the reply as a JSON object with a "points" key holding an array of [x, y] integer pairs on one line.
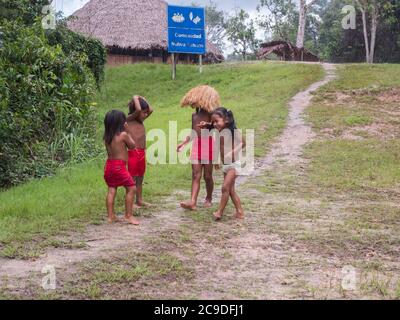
{"points": [[241, 31], [215, 25], [47, 81], [339, 45], [73, 42], [24, 10], [46, 114]]}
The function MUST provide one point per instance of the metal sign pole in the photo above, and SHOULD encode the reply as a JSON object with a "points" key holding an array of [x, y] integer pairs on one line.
{"points": [[201, 63], [173, 67]]}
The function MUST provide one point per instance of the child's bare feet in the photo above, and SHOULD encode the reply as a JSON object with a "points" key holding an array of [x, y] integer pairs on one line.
{"points": [[239, 215], [217, 215], [189, 205], [132, 220], [143, 204], [208, 204], [113, 219]]}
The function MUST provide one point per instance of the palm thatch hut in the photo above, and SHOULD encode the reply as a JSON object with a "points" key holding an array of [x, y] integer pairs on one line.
{"points": [[286, 51], [132, 31]]}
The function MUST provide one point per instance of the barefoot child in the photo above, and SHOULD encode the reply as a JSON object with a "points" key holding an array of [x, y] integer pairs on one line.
{"points": [[139, 111], [231, 144], [115, 173], [205, 99]]}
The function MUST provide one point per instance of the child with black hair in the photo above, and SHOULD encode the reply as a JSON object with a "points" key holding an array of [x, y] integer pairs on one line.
{"points": [[204, 99], [139, 111], [231, 144], [117, 142]]}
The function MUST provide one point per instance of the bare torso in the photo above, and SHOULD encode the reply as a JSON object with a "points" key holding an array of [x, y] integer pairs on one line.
{"points": [[231, 143], [117, 150], [197, 118], [137, 131]]}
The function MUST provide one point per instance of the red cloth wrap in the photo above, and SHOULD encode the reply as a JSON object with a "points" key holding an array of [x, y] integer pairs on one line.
{"points": [[137, 162], [116, 175], [202, 150]]}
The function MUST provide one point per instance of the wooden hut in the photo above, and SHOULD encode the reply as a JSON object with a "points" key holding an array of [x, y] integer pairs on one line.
{"points": [[132, 31], [286, 51]]}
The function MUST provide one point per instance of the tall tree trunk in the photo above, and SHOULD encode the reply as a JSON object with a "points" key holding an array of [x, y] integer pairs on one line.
{"points": [[374, 12], [374, 27], [302, 24], [364, 20]]}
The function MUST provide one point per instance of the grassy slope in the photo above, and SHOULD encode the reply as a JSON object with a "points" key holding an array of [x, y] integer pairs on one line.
{"points": [[373, 160], [31, 215]]}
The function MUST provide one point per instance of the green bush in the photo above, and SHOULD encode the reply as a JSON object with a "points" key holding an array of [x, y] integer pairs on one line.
{"points": [[25, 10], [46, 112], [73, 42]]}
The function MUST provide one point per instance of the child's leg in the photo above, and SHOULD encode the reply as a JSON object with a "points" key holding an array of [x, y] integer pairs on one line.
{"points": [[196, 178], [110, 204], [229, 180], [236, 201], [209, 180], [139, 192], [130, 194]]}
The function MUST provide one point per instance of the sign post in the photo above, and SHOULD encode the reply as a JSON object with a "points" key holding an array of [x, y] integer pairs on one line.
{"points": [[186, 33], [173, 66]]}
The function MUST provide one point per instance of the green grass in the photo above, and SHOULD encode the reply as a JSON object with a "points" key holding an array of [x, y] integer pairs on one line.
{"points": [[358, 76], [126, 277], [31, 215], [355, 164], [371, 161]]}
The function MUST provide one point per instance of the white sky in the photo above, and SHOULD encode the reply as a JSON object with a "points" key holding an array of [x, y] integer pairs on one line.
{"points": [[70, 6]]}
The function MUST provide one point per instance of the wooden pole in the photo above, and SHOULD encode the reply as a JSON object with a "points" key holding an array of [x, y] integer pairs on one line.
{"points": [[201, 63], [173, 67]]}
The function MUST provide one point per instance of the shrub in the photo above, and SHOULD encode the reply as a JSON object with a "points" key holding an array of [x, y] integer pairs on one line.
{"points": [[24, 10], [46, 113], [72, 42]]}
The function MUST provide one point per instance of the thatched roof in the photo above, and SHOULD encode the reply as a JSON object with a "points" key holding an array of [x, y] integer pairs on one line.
{"points": [[127, 24], [287, 51]]}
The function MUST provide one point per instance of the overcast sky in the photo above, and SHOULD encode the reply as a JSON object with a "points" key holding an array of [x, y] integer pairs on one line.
{"points": [[69, 6]]}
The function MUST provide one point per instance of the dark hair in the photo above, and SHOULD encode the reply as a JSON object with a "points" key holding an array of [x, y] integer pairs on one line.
{"points": [[113, 124], [143, 105], [227, 115]]}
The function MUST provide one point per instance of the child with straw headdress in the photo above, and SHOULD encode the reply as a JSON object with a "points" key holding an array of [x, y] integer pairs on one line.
{"points": [[205, 100]]}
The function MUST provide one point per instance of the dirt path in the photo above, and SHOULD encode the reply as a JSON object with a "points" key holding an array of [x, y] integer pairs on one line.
{"points": [[288, 148], [247, 260]]}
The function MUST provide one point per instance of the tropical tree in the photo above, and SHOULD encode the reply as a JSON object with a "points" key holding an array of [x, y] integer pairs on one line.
{"points": [[279, 20], [215, 25], [295, 21], [241, 31], [372, 10], [304, 8]]}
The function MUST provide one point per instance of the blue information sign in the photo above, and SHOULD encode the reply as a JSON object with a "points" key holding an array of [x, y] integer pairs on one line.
{"points": [[186, 30]]}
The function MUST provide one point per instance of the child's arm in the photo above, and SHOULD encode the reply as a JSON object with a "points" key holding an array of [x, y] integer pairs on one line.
{"points": [[151, 110], [238, 147], [205, 125], [184, 143], [134, 115], [128, 141]]}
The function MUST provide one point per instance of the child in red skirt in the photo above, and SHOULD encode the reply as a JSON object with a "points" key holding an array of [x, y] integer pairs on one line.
{"points": [[117, 142], [204, 99], [139, 111]]}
